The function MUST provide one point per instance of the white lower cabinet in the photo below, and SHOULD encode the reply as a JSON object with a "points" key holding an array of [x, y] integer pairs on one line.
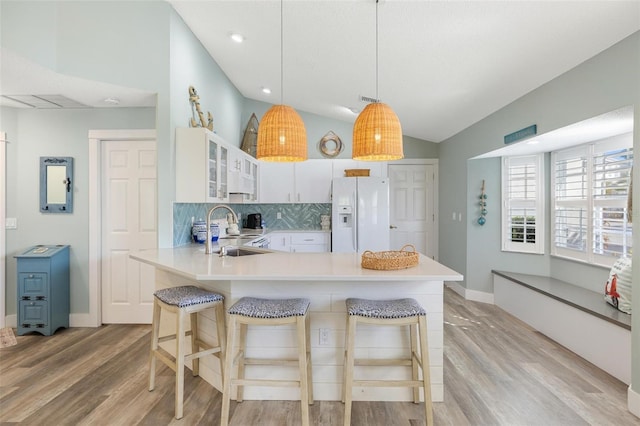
{"points": [[300, 242], [317, 242], [279, 241]]}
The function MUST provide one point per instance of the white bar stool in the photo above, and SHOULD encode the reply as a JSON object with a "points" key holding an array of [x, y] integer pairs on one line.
{"points": [[183, 301], [400, 312], [253, 311]]}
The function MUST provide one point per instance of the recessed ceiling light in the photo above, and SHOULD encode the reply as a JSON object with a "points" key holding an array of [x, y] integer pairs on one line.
{"points": [[238, 38], [266, 90], [112, 101]]}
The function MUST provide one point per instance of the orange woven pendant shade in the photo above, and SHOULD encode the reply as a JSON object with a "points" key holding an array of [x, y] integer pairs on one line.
{"points": [[281, 136], [377, 134]]}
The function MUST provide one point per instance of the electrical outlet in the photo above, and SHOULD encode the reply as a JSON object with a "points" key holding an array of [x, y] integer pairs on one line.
{"points": [[324, 337], [279, 215]]}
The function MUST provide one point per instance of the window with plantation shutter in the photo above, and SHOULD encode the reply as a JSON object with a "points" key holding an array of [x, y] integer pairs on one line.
{"points": [[523, 209], [591, 190]]}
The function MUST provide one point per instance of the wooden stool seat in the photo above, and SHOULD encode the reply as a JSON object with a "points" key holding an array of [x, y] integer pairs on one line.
{"points": [[183, 301], [400, 312], [270, 312]]}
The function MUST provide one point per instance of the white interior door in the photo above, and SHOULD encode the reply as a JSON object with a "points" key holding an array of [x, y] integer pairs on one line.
{"points": [[412, 207], [129, 223], [3, 203]]}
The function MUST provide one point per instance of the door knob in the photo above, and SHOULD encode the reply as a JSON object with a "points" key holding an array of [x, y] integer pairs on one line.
{"points": [[393, 227]]}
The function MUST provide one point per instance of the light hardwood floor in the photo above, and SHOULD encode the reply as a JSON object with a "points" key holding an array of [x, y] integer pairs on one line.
{"points": [[497, 372]]}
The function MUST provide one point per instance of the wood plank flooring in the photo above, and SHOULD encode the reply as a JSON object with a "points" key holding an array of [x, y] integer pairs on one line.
{"points": [[497, 372]]}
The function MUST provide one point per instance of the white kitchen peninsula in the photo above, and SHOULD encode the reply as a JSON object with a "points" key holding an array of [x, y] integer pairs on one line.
{"points": [[327, 279]]}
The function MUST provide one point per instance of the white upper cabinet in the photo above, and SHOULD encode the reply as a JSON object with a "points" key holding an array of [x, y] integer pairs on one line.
{"points": [[202, 160], [305, 182], [276, 182], [243, 175], [313, 181]]}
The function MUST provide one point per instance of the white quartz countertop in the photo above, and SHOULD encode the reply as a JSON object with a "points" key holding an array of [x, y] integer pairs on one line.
{"points": [[191, 262]]}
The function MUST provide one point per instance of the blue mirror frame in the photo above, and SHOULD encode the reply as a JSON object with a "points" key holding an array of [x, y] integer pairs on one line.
{"points": [[56, 184]]}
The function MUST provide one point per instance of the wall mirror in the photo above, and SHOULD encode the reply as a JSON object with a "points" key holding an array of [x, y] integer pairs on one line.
{"points": [[56, 190]]}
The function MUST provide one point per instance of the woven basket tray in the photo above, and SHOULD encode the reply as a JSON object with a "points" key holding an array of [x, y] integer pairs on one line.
{"points": [[390, 260]]}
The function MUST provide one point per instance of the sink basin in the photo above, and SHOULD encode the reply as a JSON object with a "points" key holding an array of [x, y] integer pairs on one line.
{"points": [[238, 251], [231, 237]]}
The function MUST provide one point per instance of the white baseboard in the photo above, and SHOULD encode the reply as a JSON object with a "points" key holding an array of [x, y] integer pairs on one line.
{"points": [[11, 321], [82, 320], [473, 295], [75, 320], [633, 402], [456, 286]]}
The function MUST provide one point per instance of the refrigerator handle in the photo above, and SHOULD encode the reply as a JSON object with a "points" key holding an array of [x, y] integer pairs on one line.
{"points": [[356, 221]]}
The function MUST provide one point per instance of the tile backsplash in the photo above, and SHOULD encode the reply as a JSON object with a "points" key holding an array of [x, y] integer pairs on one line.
{"points": [[293, 216]]}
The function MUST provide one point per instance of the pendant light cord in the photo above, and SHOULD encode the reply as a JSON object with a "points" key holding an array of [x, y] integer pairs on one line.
{"points": [[377, 98], [282, 53]]}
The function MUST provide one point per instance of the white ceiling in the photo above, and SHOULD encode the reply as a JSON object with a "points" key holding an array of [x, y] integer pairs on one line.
{"points": [[442, 65]]}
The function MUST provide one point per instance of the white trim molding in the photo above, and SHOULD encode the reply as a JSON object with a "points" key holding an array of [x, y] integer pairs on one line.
{"points": [[473, 295], [94, 318], [633, 402], [3, 237]]}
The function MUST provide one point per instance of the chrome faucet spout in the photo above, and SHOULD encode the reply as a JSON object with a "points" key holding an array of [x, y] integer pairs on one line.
{"points": [[208, 246]]}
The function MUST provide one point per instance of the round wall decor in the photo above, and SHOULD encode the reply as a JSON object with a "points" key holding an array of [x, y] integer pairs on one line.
{"points": [[330, 145]]}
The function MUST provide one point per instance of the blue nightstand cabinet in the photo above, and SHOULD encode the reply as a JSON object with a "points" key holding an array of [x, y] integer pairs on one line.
{"points": [[43, 289]]}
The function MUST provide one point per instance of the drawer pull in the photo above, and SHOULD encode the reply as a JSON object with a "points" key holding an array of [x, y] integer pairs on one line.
{"points": [[39, 297], [26, 298], [26, 325], [40, 325]]}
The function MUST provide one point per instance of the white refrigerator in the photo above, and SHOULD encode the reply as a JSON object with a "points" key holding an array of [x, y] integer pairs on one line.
{"points": [[360, 214]]}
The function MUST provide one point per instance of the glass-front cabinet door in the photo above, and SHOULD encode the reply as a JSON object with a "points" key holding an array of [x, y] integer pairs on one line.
{"points": [[202, 159], [213, 169], [223, 187]]}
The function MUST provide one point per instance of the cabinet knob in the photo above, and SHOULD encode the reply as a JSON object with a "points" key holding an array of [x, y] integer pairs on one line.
{"points": [[30, 275]]}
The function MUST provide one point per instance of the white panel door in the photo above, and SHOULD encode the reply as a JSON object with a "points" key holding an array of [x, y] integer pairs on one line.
{"points": [[129, 223], [412, 207]]}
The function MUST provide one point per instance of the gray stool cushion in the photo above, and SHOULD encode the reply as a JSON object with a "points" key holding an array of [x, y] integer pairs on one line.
{"points": [[187, 295], [269, 308], [396, 308]]}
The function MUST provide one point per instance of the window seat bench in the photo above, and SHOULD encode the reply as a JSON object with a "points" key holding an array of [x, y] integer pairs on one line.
{"points": [[575, 317]]}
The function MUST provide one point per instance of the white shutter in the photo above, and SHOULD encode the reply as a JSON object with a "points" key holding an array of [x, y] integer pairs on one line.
{"points": [[522, 213], [591, 189]]}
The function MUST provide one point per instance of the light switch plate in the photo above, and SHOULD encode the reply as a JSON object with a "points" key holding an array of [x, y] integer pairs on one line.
{"points": [[11, 223]]}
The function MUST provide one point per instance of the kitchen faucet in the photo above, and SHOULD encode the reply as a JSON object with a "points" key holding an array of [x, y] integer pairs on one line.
{"points": [[208, 246]]}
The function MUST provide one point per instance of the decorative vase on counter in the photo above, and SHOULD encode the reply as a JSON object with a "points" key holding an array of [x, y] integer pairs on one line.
{"points": [[199, 231], [325, 222]]}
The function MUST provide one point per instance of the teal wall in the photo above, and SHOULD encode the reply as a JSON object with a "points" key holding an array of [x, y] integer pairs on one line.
{"points": [[34, 133], [581, 93], [604, 83]]}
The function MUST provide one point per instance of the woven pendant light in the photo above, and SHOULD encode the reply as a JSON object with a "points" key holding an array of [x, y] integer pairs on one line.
{"points": [[282, 136], [377, 133]]}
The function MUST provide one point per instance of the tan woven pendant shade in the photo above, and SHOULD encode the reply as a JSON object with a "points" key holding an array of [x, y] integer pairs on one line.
{"points": [[377, 134], [282, 136]]}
